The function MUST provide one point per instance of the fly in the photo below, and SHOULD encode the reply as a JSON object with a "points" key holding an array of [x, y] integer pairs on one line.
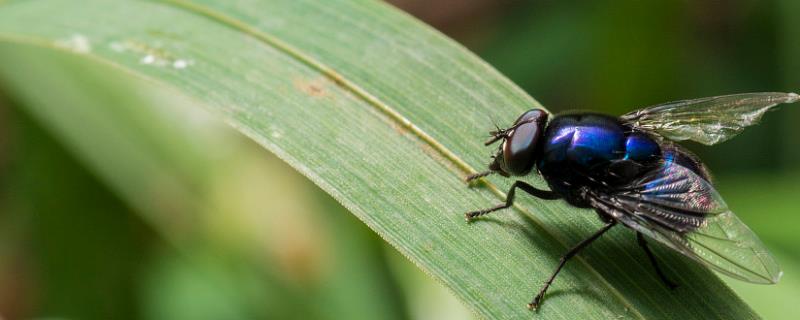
{"points": [[632, 172]]}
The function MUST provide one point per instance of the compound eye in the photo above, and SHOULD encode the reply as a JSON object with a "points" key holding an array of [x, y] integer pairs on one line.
{"points": [[520, 148], [533, 115]]}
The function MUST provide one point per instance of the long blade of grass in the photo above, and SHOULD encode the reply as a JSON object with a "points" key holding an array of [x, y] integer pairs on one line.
{"points": [[387, 116]]}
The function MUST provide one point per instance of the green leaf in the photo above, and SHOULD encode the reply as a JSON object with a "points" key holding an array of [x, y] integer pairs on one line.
{"points": [[381, 112]]}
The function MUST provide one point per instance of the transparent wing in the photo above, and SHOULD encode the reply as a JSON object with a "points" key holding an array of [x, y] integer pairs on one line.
{"points": [[707, 120], [678, 208]]}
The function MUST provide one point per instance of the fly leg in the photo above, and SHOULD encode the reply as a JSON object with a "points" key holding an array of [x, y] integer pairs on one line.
{"points": [[541, 194], [643, 243], [571, 253], [478, 175]]}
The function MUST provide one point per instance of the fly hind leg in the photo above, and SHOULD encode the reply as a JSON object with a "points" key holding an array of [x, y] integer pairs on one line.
{"points": [[643, 243]]}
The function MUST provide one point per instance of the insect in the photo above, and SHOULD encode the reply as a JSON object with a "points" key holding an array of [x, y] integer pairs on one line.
{"points": [[631, 171]]}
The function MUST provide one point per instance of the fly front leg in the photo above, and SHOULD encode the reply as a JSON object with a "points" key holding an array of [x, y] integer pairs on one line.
{"points": [[478, 175], [541, 194]]}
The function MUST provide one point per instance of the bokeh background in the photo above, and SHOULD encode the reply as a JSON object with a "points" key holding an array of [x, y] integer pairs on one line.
{"points": [[74, 247]]}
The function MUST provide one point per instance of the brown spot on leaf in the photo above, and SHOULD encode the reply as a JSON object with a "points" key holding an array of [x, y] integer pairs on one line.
{"points": [[317, 87]]}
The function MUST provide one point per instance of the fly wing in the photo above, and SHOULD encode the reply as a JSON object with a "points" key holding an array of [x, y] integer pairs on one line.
{"points": [[678, 208], [707, 120]]}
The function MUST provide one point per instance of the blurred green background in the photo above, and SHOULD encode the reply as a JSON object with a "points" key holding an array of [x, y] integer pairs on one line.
{"points": [[249, 238]]}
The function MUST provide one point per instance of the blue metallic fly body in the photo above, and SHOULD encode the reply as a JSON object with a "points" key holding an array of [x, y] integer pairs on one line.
{"points": [[631, 171]]}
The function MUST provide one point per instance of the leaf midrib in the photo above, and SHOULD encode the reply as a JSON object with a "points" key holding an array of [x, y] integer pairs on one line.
{"points": [[345, 84]]}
